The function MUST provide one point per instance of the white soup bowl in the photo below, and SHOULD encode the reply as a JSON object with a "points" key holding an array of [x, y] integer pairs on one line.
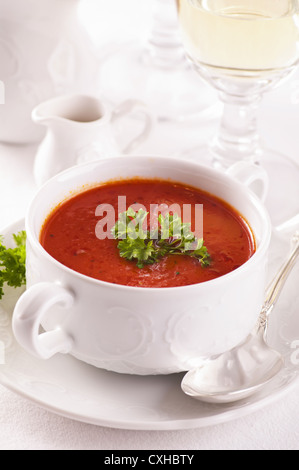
{"points": [[139, 330]]}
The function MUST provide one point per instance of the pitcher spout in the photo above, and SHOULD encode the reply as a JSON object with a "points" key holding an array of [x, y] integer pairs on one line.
{"points": [[72, 108], [41, 116]]}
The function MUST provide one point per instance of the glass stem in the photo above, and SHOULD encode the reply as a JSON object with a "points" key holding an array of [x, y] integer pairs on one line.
{"points": [[163, 46], [237, 137]]}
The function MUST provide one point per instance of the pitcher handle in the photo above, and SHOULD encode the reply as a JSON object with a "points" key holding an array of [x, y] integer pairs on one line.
{"points": [[251, 175], [126, 108]]}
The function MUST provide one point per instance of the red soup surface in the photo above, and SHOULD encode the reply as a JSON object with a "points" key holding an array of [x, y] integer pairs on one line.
{"points": [[69, 235]]}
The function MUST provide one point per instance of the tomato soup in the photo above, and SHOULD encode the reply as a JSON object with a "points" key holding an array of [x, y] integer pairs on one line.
{"points": [[69, 235]]}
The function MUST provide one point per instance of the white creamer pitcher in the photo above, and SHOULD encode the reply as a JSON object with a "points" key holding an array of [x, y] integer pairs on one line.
{"points": [[44, 52], [81, 128]]}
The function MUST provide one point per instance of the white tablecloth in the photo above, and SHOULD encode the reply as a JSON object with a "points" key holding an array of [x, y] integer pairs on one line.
{"points": [[24, 425]]}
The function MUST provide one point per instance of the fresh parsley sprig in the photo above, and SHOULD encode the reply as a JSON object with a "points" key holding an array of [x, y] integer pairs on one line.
{"points": [[12, 263], [170, 237]]}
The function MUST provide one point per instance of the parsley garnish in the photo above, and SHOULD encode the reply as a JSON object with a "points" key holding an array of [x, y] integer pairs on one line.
{"points": [[12, 263], [171, 237]]}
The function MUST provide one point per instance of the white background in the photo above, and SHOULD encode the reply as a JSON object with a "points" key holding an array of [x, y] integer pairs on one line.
{"points": [[23, 425]]}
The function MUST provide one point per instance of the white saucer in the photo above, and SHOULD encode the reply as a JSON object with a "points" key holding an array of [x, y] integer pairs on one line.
{"points": [[70, 388]]}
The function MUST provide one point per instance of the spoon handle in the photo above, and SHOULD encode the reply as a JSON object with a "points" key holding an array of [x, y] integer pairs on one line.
{"points": [[275, 288]]}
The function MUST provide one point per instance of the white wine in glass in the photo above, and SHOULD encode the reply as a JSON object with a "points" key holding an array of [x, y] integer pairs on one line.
{"points": [[244, 48], [253, 38]]}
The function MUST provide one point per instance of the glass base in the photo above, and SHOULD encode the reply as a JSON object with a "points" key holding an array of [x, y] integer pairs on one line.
{"points": [[282, 201], [174, 93]]}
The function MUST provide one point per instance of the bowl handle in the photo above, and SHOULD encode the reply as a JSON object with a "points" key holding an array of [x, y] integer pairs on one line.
{"points": [[28, 314], [251, 175]]}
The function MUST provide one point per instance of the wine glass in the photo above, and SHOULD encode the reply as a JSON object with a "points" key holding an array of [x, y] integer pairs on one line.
{"points": [[158, 73], [244, 48]]}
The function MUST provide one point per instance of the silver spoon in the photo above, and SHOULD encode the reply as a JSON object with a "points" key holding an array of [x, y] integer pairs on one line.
{"points": [[244, 370]]}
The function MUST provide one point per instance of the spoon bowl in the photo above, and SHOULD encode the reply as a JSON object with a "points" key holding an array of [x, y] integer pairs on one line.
{"points": [[234, 375], [244, 370]]}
